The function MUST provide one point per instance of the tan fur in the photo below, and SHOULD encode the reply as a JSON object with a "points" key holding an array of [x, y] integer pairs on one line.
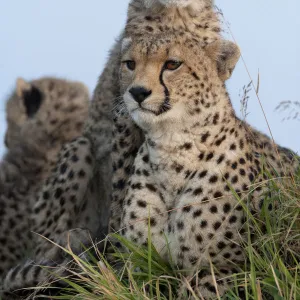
{"points": [[195, 151]]}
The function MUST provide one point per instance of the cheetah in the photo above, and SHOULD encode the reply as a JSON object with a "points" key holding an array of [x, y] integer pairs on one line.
{"points": [[195, 156], [42, 116]]}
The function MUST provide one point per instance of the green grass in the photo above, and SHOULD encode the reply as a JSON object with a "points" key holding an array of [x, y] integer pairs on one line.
{"points": [[272, 270]]}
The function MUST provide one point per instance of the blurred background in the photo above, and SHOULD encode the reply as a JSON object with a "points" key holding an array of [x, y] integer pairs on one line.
{"points": [[71, 39]]}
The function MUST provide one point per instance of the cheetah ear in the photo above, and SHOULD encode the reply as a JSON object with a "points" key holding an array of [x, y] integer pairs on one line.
{"points": [[30, 96], [22, 86], [226, 54]]}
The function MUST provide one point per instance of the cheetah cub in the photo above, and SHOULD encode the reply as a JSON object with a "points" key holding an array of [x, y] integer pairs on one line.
{"points": [[42, 115], [195, 151]]}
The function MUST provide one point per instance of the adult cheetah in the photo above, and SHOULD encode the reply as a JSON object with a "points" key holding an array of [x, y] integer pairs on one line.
{"points": [[195, 156], [42, 115]]}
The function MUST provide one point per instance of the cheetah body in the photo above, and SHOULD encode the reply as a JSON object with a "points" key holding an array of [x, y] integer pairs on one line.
{"points": [[195, 156]]}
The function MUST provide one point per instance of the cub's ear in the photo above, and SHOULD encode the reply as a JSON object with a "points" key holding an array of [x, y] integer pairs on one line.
{"points": [[226, 54], [22, 86], [30, 96]]}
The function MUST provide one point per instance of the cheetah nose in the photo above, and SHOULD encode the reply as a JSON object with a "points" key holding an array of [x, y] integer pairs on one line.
{"points": [[139, 93]]}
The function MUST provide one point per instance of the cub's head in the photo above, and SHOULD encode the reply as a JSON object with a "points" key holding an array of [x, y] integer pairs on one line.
{"points": [[51, 107], [164, 81]]}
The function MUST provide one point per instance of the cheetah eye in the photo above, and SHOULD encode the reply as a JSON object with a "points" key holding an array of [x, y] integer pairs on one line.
{"points": [[172, 65], [130, 64]]}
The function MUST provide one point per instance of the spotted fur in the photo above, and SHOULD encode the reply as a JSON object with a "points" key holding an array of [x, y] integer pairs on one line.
{"points": [[196, 156]]}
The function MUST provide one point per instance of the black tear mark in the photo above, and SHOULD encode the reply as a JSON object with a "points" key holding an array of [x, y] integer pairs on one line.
{"points": [[32, 101], [165, 106]]}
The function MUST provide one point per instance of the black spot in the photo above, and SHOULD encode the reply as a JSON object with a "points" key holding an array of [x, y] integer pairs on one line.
{"points": [[205, 137], [221, 158], [74, 158], [217, 225], [242, 161], [221, 245], [233, 147], [209, 156], [186, 209], [234, 166], [232, 219], [251, 177], [184, 248], [203, 224], [213, 179], [58, 193], [178, 168], [198, 191], [120, 185], [234, 179], [142, 203], [180, 225], [81, 174], [151, 187], [71, 174], [216, 118], [210, 287], [146, 158], [46, 195], [88, 160], [227, 208], [229, 235], [197, 213], [203, 174], [242, 172], [218, 194], [199, 238], [63, 168], [213, 209], [146, 173], [201, 155], [132, 215]]}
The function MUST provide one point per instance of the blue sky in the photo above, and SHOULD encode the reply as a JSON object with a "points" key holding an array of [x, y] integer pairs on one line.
{"points": [[71, 39]]}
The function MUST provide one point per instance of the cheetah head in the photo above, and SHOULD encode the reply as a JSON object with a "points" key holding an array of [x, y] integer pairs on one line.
{"points": [[51, 107], [165, 81]]}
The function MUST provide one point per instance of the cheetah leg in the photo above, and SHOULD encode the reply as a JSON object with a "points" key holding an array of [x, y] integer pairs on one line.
{"points": [[144, 210], [127, 140]]}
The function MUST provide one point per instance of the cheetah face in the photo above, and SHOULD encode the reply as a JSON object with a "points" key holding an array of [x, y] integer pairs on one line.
{"points": [[164, 81]]}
